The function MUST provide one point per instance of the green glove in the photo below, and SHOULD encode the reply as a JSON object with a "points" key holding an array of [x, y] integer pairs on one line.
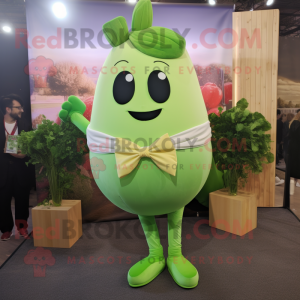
{"points": [[74, 108]]}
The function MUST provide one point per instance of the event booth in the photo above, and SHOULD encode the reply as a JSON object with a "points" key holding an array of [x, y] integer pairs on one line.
{"points": [[154, 152]]}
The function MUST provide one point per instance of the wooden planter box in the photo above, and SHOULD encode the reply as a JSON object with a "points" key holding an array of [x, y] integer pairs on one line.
{"points": [[234, 214], [58, 227]]}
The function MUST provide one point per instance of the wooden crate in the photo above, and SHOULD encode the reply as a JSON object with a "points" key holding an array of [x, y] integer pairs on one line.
{"points": [[58, 227], [234, 214]]}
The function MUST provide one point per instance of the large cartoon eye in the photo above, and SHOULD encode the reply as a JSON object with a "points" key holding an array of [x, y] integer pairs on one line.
{"points": [[123, 88], [159, 86], [36, 68], [45, 68]]}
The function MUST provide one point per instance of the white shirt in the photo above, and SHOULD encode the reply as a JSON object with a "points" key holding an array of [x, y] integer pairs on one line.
{"points": [[99, 142], [9, 128]]}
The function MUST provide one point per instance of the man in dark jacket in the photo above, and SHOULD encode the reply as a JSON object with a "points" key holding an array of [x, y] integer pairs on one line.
{"points": [[14, 174], [279, 136]]}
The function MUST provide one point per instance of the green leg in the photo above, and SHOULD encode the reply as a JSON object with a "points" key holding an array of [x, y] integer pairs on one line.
{"points": [[182, 271], [150, 267]]}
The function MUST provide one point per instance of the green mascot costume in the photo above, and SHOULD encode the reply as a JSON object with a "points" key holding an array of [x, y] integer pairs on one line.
{"points": [[149, 126]]}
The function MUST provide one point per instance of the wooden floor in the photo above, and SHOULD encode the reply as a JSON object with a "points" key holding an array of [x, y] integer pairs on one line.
{"points": [[8, 247]]}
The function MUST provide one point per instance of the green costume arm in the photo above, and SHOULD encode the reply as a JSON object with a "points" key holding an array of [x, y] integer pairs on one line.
{"points": [[213, 183], [74, 108]]}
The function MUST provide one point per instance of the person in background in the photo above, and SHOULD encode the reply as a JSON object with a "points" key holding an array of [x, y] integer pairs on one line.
{"points": [[285, 134], [284, 118], [294, 151], [279, 181], [14, 174], [279, 145], [278, 136]]}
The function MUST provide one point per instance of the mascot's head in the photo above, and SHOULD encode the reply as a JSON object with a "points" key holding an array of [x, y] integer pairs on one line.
{"points": [[147, 86]]}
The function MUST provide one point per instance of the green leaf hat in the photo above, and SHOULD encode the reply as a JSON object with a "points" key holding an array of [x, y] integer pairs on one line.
{"points": [[151, 40]]}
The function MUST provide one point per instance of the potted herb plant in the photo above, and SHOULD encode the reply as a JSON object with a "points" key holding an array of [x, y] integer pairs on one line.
{"points": [[55, 148], [240, 144]]}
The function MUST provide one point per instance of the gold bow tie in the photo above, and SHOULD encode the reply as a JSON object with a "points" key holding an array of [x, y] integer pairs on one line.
{"points": [[162, 152]]}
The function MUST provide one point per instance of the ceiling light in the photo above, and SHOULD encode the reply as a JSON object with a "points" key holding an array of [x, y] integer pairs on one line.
{"points": [[212, 2], [270, 2], [59, 10], [6, 28]]}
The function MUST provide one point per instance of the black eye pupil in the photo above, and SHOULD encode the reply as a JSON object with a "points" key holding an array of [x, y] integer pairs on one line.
{"points": [[159, 86], [123, 89]]}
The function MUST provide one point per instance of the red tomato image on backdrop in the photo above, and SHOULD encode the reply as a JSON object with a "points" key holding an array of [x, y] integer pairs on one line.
{"points": [[212, 94], [216, 86]]}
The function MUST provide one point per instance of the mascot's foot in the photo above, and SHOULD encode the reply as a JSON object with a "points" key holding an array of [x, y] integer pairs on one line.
{"points": [[146, 270], [183, 272]]}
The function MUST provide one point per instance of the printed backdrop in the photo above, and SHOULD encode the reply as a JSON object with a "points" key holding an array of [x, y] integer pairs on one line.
{"points": [[288, 86], [66, 56]]}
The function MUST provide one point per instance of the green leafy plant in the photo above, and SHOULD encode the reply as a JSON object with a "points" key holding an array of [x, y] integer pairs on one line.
{"points": [[55, 147], [240, 144]]}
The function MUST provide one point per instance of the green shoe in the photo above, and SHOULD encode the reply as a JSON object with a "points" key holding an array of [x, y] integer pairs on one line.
{"points": [[146, 270], [183, 272]]}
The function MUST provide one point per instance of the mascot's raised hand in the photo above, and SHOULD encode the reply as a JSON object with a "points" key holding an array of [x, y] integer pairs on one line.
{"points": [[74, 108]]}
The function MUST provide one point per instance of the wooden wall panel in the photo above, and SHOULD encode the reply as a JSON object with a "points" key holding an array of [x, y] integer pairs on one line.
{"points": [[255, 70]]}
